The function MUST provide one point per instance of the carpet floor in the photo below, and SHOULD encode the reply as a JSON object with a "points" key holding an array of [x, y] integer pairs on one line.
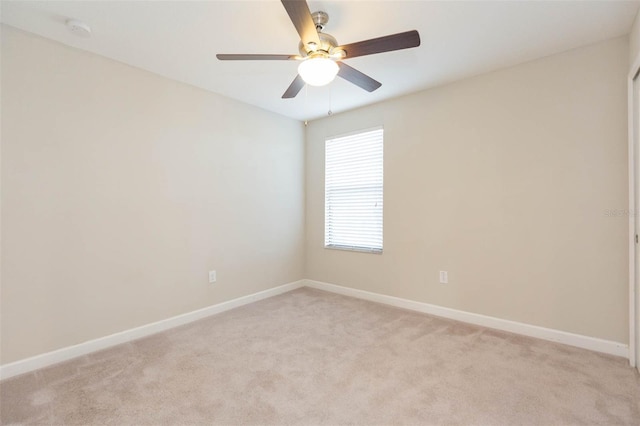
{"points": [[312, 357]]}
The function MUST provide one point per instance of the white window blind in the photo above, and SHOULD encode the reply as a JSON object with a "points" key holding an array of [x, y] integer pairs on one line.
{"points": [[353, 191]]}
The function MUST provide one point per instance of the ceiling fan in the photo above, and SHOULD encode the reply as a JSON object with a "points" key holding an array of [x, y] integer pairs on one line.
{"points": [[320, 54]]}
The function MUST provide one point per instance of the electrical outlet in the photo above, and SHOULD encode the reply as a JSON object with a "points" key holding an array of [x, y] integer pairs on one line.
{"points": [[212, 276], [444, 277]]}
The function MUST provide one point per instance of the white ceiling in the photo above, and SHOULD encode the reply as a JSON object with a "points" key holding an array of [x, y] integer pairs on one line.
{"points": [[179, 40]]}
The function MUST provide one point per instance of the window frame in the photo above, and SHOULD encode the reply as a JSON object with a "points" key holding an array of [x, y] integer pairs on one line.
{"points": [[353, 248]]}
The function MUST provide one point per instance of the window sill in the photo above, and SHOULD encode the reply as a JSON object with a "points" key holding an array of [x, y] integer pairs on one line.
{"points": [[357, 249]]}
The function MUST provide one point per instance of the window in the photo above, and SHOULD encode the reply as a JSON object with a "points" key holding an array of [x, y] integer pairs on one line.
{"points": [[353, 192]]}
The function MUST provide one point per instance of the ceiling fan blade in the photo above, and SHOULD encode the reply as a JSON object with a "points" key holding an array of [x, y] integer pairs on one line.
{"points": [[382, 44], [296, 85], [258, 57], [356, 77], [300, 15]]}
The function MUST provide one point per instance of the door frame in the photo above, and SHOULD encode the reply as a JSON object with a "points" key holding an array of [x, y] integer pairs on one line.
{"points": [[634, 144]]}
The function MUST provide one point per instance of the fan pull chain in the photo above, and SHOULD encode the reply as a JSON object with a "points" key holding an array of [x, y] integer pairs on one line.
{"points": [[306, 97], [330, 112]]}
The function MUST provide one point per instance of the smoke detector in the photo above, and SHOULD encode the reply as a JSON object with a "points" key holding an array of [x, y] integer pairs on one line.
{"points": [[79, 28]]}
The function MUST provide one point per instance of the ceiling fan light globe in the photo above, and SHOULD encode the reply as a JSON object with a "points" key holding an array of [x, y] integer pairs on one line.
{"points": [[318, 71]]}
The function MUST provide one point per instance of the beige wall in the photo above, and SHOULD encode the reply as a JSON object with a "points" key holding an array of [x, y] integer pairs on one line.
{"points": [[121, 189], [504, 181], [634, 40]]}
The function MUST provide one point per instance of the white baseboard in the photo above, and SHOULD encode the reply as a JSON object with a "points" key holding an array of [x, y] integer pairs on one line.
{"points": [[580, 341], [70, 352]]}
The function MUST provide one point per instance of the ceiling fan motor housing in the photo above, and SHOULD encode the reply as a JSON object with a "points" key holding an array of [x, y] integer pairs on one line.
{"points": [[327, 44], [327, 41]]}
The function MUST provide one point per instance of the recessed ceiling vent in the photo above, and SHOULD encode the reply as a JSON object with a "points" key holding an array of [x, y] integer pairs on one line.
{"points": [[79, 28]]}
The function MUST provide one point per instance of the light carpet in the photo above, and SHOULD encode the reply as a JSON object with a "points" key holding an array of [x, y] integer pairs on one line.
{"points": [[312, 357]]}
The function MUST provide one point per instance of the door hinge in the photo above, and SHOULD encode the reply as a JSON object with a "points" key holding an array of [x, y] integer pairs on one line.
{"points": [[636, 238]]}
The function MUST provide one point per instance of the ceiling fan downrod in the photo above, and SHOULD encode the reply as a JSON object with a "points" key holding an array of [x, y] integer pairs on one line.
{"points": [[321, 19]]}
